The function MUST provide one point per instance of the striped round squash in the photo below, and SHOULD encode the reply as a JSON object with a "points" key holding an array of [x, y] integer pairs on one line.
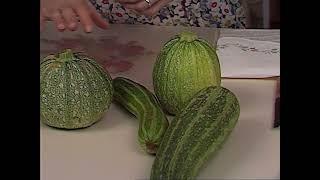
{"points": [[185, 65], [75, 91], [196, 134]]}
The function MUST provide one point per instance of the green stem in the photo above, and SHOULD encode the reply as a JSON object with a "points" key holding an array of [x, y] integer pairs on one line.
{"points": [[67, 55], [188, 36]]}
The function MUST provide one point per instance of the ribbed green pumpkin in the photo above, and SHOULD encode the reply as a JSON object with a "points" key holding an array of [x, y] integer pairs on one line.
{"points": [[185, 65], [196, 134], [139, 101], [75, 91]]}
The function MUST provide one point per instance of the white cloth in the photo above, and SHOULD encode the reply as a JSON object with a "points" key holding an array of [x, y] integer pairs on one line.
{"points": [[244, 58]]}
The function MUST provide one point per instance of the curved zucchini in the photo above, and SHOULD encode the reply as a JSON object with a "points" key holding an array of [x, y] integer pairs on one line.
{"points": [[144, 106]]}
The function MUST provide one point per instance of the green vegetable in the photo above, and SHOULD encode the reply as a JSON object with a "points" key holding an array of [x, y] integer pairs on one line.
{"points": [[142, 104], [185, 65], [75, 92], [196, 134]]}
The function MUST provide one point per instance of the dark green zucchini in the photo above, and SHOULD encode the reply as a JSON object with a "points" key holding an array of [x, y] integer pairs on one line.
{"points": [[195, 134]]}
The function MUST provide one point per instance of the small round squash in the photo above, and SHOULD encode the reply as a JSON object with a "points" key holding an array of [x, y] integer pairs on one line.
{"points": [[75, 91]]}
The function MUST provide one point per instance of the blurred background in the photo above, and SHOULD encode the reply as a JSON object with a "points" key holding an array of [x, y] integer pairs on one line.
{"points": [[263, 14]]}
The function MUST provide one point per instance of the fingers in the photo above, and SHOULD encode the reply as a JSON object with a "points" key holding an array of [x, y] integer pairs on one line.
{"points": [[97, 19], [128, 1], [85, 18], [141, 5], [155, 8], [70, 19], [58, 20]]}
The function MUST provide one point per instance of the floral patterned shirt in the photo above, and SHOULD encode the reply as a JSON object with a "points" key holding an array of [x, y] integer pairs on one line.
{"points": [[200, 13]]}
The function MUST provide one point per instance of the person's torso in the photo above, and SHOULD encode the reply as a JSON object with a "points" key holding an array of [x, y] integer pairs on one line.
{"points": [[201, 13]]}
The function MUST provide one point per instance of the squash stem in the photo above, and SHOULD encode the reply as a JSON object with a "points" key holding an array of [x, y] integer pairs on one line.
{"points": [[188, 36], [67, 55], [151, 148]]}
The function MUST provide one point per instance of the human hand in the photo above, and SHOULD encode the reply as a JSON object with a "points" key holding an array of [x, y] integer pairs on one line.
{"points": [[142, 6], [67, 13]]}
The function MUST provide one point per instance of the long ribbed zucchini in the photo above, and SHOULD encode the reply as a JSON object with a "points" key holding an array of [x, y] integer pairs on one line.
{"points": [[195, 134], [144, 106]]}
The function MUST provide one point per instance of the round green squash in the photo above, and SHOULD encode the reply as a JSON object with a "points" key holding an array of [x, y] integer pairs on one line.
{"points": [[75, 92], [185, 65]]}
